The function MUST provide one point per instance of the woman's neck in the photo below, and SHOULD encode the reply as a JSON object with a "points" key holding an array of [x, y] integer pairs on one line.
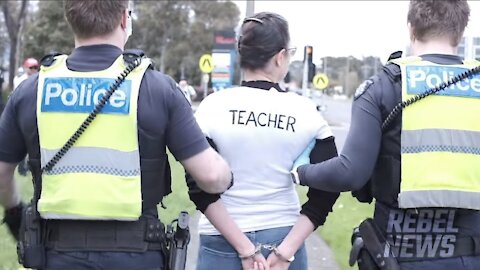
{"points": [[257, 75]]}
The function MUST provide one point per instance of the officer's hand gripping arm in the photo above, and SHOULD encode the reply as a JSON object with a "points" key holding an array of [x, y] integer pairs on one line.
{"points": [[10, 198], [13, 218]]}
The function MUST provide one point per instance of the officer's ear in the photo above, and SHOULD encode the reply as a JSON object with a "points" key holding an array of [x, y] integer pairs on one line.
{"points": [[123, 22]]}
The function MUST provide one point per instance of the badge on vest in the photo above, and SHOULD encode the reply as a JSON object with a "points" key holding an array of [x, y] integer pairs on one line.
{"points": [[80, 95], [362, 88], [422, 78]]}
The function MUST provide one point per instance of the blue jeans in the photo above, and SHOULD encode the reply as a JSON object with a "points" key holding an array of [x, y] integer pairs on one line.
{"points": [[216, 253], [463, 262], [83, 260]]}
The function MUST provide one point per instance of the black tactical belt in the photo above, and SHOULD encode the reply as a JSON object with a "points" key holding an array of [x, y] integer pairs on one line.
{"points": [[122, 236]]}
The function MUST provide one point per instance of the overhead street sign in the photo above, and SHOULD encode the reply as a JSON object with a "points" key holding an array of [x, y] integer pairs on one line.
{"points": [[320, 81], [206, 63]]}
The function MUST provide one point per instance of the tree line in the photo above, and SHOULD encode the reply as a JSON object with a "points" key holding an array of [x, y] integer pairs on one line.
{"points": [[174, 34]]}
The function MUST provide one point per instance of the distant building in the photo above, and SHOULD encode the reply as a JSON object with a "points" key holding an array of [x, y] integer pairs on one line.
{"points": [[469, 48]]}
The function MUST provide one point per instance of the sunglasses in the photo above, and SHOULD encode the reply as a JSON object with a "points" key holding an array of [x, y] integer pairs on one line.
{"points": [[34, 67], [291, 51]]}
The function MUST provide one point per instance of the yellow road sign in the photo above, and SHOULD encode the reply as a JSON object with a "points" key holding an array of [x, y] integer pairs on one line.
{"points": [[206, 63], [320, 81]]}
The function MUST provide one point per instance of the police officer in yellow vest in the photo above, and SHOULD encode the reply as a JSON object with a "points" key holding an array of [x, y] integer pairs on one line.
{"points": [[97, 195], [420, 163]]}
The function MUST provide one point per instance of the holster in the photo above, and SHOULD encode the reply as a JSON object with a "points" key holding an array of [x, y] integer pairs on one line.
{"points": [[31, 247], [368, 249], [178, 240]]}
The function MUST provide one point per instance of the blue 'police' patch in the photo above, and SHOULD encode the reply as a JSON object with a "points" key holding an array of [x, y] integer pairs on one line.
{"points": [[362, 88], [422, 78], [80, 95]]}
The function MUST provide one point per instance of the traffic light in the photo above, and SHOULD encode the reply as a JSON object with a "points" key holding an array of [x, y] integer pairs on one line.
{"points": [[308, 54]]}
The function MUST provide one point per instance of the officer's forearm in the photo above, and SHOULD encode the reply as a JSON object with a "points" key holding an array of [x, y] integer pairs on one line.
{"points": [[354, 166], [9, 196], [209, 170], [222, 177]]}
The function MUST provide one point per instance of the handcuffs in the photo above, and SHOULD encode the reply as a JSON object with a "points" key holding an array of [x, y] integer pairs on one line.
{"points": [[273, 248]]}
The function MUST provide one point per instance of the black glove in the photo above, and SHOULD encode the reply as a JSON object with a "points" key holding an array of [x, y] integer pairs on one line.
{"points": [[13, 218]]}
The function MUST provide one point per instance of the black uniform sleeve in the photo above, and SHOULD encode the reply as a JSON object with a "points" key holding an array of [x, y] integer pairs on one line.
{"points": [[12, 145], [352, 169], [184, 137], [320, 202], [200, 198]]}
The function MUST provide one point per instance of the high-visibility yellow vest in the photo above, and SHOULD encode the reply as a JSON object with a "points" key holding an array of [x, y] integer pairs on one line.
{"points": [[440, 140], [99, 177]]}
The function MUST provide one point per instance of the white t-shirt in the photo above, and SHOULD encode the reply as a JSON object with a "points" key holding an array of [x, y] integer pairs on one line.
{"points": [[188, 92], [19, 79], [260, 133]]}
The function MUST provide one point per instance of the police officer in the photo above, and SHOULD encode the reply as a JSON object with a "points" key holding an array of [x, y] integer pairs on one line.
{"points": [[422, 165], [98, 202], [261, 129]]}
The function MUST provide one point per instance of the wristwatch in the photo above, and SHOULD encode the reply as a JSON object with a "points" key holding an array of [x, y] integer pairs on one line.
{"points": [[294, 176], [278, 254]]}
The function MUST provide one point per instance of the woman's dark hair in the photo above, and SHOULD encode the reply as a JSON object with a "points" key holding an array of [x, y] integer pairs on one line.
{"points": [[261, 37]]}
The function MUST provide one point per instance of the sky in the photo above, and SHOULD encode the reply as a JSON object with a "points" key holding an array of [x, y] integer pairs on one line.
{"points": [[343, 28]]}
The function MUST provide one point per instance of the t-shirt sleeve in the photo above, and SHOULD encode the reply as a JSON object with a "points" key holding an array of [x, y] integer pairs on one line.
{"points": [[12, 145], [184, 137], [202, 116]]}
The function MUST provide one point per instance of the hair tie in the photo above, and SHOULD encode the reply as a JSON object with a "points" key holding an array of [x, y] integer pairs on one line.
{"points": [[239, 42], [253, 20]]}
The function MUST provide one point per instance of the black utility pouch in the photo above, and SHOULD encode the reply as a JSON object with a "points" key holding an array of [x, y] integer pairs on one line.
{"points": [[30, 247]]}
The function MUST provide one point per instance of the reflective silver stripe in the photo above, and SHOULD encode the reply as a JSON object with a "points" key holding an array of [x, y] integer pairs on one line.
{"points": [[441, 140], [439, 198], [78, 217], [94, 160]]}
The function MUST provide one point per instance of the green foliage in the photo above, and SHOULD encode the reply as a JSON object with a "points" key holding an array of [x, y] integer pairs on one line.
{"points": [[176, 33], [173, 33], [47, 30]]}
